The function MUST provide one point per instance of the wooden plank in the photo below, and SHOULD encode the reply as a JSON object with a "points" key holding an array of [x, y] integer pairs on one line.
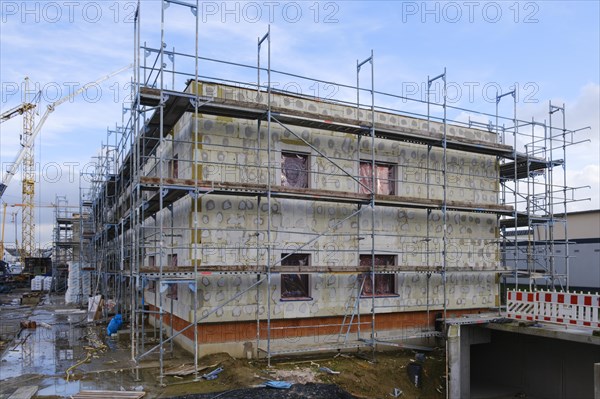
{"points": [[94, 307], [187, 369], [252, 110], [315, 194], [320, 269], [25, 392]]}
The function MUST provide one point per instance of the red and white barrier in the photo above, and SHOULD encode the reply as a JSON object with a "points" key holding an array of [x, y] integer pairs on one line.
{"points": [[566, 308]]}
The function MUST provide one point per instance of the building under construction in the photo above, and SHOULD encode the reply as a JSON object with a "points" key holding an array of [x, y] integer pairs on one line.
{"points": [[227, 215]]}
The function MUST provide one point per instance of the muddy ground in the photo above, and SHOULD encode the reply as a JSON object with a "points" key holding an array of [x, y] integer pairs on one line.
{"points": [[359, 377], [64, 354]]}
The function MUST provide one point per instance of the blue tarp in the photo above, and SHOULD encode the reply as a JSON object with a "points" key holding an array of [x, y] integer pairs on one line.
{"points": [[114, 325], [278, 384]]}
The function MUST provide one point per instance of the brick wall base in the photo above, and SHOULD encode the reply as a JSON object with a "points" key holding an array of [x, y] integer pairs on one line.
{"points": [[242, 331]]}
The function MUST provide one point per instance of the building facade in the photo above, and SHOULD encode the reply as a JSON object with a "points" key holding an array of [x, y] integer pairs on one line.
{"points": [[285, 240]]}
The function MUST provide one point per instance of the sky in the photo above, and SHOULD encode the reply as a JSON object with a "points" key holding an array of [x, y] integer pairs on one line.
{"points": [[546, 50]]}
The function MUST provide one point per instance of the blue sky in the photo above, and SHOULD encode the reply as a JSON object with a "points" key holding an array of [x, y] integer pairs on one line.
{"points": [[548, 49]]}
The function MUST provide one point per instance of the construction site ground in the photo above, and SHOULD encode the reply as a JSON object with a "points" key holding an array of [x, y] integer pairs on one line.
{"points": [[64, 354]]}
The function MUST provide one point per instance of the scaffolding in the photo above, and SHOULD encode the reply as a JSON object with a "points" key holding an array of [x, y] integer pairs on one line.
{"points": [[66, 242], [535, 183], [134, 239]]}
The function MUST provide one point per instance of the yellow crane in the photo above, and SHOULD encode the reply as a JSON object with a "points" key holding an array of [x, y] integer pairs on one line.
{"points": [[27, 110], [18, 110], [25, 157]]}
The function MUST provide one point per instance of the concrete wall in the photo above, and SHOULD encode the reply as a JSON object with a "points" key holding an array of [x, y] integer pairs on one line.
{"points": [[535, 366], [584, 224], [584, 257]]}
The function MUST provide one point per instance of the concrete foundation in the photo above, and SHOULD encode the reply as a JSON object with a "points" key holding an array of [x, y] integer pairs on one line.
{"points": [[460, 339]]}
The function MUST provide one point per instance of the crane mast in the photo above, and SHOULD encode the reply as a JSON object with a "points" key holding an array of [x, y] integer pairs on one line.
{"points": [[28, 181]]}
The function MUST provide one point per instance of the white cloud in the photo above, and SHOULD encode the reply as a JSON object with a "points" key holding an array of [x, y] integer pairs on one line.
{"points": [[81, 51], [583, 156]]}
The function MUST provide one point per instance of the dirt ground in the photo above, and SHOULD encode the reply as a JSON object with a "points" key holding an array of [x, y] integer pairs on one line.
{"points": [[305, 391], [359, 377], [69, 355]]}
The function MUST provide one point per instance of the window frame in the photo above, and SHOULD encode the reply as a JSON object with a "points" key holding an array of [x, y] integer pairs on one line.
{"points": [[173, 171], [172, 260], [378, 276], [151, 286], [289, 153], [366, 180], [304, 278], [173, 291]]}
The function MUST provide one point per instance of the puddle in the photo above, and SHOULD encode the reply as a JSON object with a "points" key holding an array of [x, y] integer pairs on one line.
{"points": [[46, 351], [41, 356], [60, 387], [102, 381]]}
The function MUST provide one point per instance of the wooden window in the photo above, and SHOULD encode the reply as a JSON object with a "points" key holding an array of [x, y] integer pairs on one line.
{"points": [[385, 178], [294, 170], [172, 291], [295, 286], [151, 285], [385, 284], [174, 167], [152, 261], [172, 260]]}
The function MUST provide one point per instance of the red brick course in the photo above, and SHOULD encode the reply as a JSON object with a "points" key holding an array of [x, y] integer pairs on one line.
{"points": [[241, 331]]}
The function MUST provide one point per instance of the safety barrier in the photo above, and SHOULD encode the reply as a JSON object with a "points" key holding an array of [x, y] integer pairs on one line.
{"points": [[554, 307]]}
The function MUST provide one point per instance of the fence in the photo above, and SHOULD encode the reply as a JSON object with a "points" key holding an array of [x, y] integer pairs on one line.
{"points": [[554, 307]]}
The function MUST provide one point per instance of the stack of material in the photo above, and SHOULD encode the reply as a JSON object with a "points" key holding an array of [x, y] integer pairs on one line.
{"points": [[37, 283], [79, 284], [47, 285], [86, 285]]}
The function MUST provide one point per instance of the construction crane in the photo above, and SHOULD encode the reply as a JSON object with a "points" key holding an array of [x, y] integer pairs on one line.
{"points": [[26, 157], [27, 109], [2, 232], [18, 110]]}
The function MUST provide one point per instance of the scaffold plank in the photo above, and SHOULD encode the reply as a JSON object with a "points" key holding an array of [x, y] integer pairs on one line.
{"points": [[177, 188]]}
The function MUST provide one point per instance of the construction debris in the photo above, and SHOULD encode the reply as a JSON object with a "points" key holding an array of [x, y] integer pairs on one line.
{"points": [[328, 370], [420, 357], [80, 347], [44, 325], [415, 371], [96, 346], [95, 307], [213, 374], [27, 324], [184, 369]]}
